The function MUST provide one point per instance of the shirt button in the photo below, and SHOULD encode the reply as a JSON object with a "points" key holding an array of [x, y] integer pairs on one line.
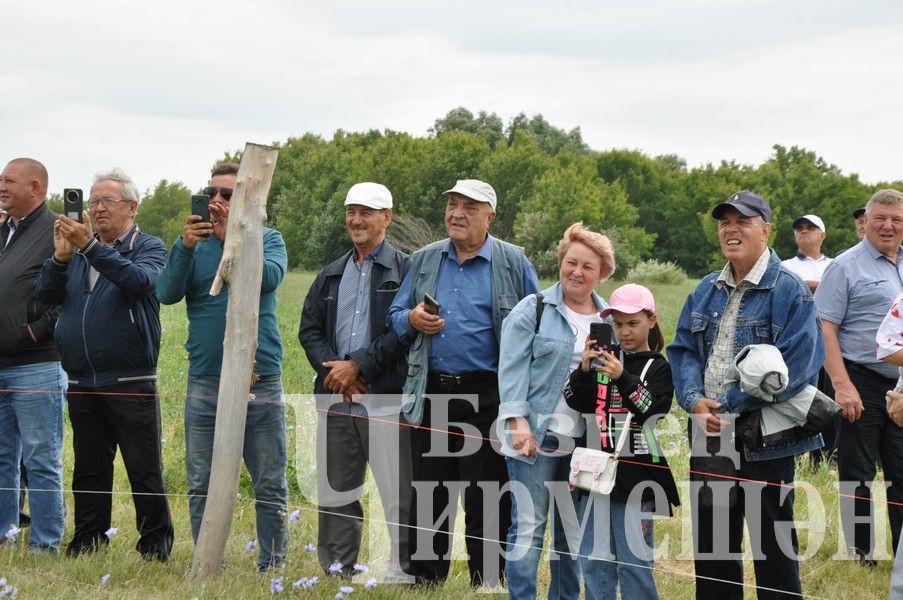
{"points": [[357, 312], [715, 314], [460, 268], [353, 334]]}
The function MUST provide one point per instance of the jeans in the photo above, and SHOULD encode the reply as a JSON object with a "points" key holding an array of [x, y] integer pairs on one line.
{"points": [[617, 550], [531, 485], [31, 431], [127, 416], [264, 454]]}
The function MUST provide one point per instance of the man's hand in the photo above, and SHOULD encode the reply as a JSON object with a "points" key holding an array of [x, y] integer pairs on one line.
{"points": [[710, 409], [62, 249], [522, 439], [424, 321], [219, 217], [195, 231], [848, 398], [895, 406], [78, 235], [357, 388], [342, 375]]}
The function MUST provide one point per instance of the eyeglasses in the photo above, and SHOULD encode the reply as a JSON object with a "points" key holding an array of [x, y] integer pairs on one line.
{"points": [[226, 193], [106, 201]]}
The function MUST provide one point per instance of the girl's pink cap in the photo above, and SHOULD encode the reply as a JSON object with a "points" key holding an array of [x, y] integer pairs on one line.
{"points": [[630, 299]]}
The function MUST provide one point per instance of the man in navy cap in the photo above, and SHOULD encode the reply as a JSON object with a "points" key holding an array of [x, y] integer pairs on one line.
{"points": [[859, 216], [752, 300]]}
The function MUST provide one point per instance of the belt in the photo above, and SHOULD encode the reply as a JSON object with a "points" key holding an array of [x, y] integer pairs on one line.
{"points": [[449, 380]]}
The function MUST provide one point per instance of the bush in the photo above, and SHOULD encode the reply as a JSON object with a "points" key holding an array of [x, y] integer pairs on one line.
{"points": [[653, 271]]}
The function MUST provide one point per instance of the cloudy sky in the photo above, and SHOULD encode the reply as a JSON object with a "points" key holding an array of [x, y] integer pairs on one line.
{"points": [[163, 88]]}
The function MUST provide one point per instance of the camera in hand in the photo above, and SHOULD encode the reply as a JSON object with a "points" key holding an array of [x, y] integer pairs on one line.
{"points": [[73, 203], [603, 334]]}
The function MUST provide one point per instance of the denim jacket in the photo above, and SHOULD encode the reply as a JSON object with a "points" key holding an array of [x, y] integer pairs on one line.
{"points": [[533, 367], [778, 311]]}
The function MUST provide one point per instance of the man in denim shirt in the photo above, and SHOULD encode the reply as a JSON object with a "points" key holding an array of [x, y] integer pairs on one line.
{"points": [[856, 292], [752, 300]]}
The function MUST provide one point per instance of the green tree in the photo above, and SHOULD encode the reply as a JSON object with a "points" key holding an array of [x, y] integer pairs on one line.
{"points": [[486, 125], [163, 211]]}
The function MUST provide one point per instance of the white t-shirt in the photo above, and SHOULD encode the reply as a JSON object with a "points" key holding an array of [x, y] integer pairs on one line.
{"points": [[809, 269], [566, 420]]}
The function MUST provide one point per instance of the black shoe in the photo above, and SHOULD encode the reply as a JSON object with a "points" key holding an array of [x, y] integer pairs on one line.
{"points": [[84, 546], [24, 520]]}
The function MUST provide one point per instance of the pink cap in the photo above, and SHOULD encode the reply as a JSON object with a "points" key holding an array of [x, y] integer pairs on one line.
{"points": [[630, 299]]}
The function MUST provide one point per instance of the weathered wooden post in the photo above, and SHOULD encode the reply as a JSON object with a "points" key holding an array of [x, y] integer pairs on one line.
{"points": [[242, 268]]}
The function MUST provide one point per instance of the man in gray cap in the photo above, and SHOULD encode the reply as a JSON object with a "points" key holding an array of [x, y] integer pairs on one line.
{"points": [[344, 334], [859, 216], [475, 280], [809, 263], [752, 300]]}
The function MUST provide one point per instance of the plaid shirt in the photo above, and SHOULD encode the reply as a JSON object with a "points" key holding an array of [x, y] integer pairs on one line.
{"points": [[722, 355]]}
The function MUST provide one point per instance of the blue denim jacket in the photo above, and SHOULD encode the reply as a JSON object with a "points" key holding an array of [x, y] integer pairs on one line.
{"points": [[779, 311], [533, 367]]}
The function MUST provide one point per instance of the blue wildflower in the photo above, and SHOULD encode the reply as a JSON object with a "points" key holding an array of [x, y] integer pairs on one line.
{"points": [[13, 533], [311, 548], [371, 583], [361, 568], [251, 545], [276, 585], [346, 589], [294, 516], [335, 568], [111, 532], [105, 580]]}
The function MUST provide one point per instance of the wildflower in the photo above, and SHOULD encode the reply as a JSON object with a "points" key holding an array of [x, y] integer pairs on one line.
{"points": [[340, 596], [294, 516], [250, 546], [314, 581], [111, 532], [8, 591], [105, 580], [311, 548], [300, 583], [2, 581], [13, 533], [276, 585], [371, 583], [335, 568], [346, 589], [361, 568]]}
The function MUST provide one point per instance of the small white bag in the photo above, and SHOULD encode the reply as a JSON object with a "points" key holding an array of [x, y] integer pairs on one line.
{"points": [[595, 470]]}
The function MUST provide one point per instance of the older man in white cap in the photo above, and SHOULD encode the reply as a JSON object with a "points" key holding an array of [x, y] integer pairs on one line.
{"points": [[344, 333], [476, 280], [809, 263]]}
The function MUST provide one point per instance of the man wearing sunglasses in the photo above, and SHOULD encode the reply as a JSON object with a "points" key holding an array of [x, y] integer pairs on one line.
{"points": [[193, 262], [102, 274]]}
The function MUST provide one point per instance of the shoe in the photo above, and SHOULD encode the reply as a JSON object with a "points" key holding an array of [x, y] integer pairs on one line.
{"points": [[24, 520]]}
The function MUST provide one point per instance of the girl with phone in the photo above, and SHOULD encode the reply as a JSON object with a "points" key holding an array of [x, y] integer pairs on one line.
{"points": [[611, 386]]}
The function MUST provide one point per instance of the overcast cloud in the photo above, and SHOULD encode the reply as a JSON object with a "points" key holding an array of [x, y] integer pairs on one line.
{"points": [[162, 89]]}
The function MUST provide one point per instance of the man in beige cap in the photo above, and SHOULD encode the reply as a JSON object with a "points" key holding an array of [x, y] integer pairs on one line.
{"points": [[344, 334], [452, 382], [809, 263]]}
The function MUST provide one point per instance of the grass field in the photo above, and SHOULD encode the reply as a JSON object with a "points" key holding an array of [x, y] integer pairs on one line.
{"points": [[824, 574]]}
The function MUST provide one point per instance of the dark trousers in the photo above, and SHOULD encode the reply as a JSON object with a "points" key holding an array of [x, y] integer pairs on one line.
{"points": [[862, 443], [487, 517], [831, 433], [128, 416], [768, 510]]}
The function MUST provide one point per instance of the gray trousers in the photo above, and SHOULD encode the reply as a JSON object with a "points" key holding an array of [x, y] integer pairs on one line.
{"points": [[345, 444]]}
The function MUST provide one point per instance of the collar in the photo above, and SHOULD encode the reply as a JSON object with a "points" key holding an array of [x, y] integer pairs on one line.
{"points": [[485, 251], [802, 256], [755, 274], [120, 239], [874, 252], [383, 255]]}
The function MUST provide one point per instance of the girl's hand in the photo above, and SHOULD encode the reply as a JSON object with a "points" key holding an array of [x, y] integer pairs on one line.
{"points": [[589, 353], [610, 365], [521, 437]]}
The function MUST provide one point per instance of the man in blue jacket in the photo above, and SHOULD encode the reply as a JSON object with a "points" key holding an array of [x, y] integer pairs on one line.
{"points": [[752, 300], [192, 266], [109, 336]]}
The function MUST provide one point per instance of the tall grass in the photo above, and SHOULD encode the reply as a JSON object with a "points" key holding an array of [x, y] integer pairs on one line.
{"points": [[130, 577]]}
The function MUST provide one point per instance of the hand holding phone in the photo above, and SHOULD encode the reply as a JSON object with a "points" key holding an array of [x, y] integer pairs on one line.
{"points": [[200, 205], [430, 304], [73, 203]]}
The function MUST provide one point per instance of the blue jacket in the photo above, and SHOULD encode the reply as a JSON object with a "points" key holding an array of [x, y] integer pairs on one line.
{"points": [[109, 334], [534, 367], [778, 311]]}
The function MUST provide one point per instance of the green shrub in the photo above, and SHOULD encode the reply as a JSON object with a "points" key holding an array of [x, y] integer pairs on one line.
{"points": [[653, 271]]}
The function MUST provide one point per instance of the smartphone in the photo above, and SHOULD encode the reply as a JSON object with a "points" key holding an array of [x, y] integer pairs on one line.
{"points": [[200, 205], [430, 304], [73, 203], [602, 333]]}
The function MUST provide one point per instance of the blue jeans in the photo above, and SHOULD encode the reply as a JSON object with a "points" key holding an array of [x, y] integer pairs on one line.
{"points": [[31, 430], [264, 455], [529, 514], [611, 548]]}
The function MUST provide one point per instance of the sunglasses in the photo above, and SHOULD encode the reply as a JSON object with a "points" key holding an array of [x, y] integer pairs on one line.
{"points": [[226, 193]]}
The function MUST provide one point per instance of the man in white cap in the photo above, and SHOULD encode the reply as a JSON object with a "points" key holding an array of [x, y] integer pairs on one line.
{"points": [[344, 334], [476, 280], [809, 263]]}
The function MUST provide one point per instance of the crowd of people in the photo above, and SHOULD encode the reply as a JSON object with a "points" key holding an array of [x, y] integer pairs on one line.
{"points": [[452, 374]]}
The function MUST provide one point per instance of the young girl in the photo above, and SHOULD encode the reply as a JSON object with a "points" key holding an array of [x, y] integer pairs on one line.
{"points": [[640, 383]]}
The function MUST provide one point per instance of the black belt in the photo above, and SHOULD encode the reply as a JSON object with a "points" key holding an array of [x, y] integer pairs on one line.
{"points": [[863, 370], [448, 380]]}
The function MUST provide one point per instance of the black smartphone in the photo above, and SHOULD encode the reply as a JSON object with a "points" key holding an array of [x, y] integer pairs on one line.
{"points": [[200, 205], [73, 203], [602, 333], [430, 304]]}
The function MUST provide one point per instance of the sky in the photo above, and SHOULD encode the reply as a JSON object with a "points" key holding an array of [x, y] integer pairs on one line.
{"points": [[162, 89]]}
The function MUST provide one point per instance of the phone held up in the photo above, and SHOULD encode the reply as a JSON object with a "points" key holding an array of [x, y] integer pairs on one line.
{"points": [[200, 205], [430, 304], [73, 203]]}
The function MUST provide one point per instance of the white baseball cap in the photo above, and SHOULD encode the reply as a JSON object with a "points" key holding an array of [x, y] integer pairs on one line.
{"points": [[475, 190], [369, 194], [812, 219]]}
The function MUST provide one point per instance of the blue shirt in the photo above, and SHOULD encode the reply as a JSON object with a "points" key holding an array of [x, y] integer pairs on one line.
{"points": [[352, 327], [855, 293], [467, 342]]}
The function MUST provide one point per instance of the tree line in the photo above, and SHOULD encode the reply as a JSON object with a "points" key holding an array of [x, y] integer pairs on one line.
{"points": [[546, 178]]}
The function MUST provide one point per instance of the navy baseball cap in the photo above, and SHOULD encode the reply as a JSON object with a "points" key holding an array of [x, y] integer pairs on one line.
{"points": [[858, 212], [748, 204]]}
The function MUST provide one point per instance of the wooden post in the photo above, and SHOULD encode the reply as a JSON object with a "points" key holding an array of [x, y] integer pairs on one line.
{"points": [[242, 268]]}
